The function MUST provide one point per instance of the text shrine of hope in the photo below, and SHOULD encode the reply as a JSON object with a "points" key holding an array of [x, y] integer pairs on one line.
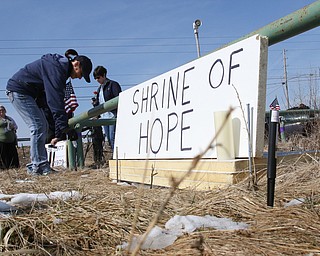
{"points": [[162, 131]]}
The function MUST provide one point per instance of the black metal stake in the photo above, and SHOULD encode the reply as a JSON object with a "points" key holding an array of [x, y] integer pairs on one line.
{"points": [[272, 161]]}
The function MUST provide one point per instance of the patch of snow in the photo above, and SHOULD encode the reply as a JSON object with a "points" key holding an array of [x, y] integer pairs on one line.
{"points": [[160, 238], [27, 198], [25, 181], [57, 221], [295, 201]]}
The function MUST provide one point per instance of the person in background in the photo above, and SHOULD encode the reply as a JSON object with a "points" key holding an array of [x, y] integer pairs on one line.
{"points": [[97, 140], [8, 141], [39, 84], [107, 90]]}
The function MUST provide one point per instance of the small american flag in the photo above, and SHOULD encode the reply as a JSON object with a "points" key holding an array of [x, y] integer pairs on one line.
{"points": [[275, 105], [70, 99]]}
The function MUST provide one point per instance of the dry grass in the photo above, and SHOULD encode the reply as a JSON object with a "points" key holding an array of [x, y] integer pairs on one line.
{"points": [[103, 218]]}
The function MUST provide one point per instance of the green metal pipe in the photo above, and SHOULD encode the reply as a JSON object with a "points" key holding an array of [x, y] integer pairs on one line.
{"points": [[97, 122], [291, 25], [71, 156], [75, 154], [296, 115], [98, 110], [297, 112], [82, 120]]}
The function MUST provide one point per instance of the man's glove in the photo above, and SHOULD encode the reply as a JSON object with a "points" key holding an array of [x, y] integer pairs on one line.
{"points": [[72, 135]]}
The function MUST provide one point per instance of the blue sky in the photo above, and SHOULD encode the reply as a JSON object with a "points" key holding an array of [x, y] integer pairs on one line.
{"points": [[138, 40]]}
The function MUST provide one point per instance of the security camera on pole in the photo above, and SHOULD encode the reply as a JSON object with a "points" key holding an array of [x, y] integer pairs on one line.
{"points": [[196, 25]]}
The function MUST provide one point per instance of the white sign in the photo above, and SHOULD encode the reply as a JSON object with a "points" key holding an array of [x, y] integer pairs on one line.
{"points": [[58, 156], [172, 115]]}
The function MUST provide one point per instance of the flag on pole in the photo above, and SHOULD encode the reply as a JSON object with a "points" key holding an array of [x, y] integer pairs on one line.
{"points": [[275, 105], [70, 99]]}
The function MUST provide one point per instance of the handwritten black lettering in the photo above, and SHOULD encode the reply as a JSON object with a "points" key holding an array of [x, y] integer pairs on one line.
{"points": [[212, 73], [233, 66], [156, 139], [183, 129], [146, 137], [172, 124]]}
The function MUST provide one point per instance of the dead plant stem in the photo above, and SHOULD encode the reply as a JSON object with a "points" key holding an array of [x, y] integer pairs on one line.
{"points": [[176, 183]]}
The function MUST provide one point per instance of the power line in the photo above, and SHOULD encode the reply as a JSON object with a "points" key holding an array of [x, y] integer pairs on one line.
{"points": [[131, 38]]}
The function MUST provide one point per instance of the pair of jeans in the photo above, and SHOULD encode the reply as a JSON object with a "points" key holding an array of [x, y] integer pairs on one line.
{"points": [[35, 119], [110, 131]]}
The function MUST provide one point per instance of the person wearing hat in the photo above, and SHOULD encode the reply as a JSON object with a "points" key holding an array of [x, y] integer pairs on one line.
{"points": [[41, 84], [8, 141], [70, 100]]}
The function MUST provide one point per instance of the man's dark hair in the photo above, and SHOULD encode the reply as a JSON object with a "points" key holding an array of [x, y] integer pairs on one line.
{"points": [[71, 54], [99, 71]]}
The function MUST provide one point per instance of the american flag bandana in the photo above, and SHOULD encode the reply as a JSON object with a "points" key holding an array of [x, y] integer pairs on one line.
{"points": [[70, 99], [275, 105]]}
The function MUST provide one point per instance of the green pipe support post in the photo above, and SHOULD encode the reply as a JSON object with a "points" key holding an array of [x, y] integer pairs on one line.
{"points": [[75, 155], [71, 155], [282, 130], [291, 25]]}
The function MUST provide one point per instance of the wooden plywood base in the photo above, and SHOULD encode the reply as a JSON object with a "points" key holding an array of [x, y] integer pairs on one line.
{"points": [[208, 174]]}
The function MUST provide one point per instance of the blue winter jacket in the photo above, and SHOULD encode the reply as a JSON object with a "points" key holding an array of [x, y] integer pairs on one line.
{"points": [[45, 80]]}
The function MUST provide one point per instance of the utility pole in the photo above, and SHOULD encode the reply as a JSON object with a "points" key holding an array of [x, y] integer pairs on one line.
{"points": [[285, 83]]}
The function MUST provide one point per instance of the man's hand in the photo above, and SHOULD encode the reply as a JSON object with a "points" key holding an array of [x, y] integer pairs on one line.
{"points": [[71, 135], [54, 141]]}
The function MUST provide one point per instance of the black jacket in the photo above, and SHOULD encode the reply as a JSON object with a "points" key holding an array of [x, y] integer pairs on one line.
{"points": [[111, 89]]}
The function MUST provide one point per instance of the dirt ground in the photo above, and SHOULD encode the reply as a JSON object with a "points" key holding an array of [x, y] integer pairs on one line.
{"points": [[107, 213]]}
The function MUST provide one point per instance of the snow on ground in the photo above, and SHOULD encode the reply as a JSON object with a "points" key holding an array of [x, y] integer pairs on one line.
{"points": [[160, 238]]}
